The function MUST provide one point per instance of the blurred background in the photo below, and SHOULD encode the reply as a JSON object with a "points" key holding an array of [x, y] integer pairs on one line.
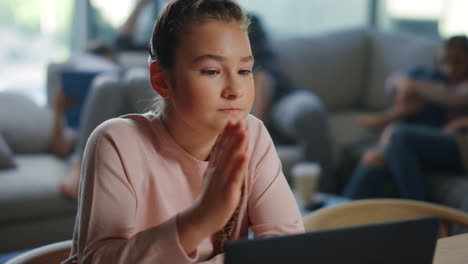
{"points": [[36, 32]]}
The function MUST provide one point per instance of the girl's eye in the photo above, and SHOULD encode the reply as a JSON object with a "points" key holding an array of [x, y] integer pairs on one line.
{"points": [[245, 72], [210, 72]]}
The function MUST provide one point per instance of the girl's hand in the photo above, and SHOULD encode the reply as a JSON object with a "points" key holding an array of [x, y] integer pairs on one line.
{"points": [[222, 188]]}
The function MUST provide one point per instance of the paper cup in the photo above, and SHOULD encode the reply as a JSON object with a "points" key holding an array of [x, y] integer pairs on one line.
{"points": [[305, 177]]}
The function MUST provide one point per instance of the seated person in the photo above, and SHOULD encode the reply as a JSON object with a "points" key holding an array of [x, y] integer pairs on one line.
{"points": [[391, 160], [408, 108], [97, 57], [408, 105], [174, 187]]}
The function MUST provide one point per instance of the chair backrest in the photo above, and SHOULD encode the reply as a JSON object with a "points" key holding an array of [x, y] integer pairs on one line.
{"points": [[49, 254], [380, 210]]}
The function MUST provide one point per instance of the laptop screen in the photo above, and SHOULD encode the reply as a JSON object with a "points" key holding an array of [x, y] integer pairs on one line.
{"points": [[405, 241]]}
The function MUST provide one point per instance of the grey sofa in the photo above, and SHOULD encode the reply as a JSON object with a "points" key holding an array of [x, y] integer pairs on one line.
{"points": [[33, 211]]}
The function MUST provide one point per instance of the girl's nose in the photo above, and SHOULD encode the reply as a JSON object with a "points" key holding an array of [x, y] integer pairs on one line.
{"points": [[232, 89]]}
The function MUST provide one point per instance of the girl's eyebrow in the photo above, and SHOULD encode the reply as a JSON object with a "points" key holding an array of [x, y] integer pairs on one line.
{"points": [[219, 58], [247, 59]]}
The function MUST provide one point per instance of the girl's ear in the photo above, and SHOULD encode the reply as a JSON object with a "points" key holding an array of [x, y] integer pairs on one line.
{"points": [[159, 80]]}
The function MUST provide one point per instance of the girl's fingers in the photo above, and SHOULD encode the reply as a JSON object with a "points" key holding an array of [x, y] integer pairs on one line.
{"points": [[233, 145], [231, 166], [220, 142], [237, 174], [240, 163]]}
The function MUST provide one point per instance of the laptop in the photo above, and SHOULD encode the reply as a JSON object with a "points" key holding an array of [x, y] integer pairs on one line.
{"points": [[405, 241]]}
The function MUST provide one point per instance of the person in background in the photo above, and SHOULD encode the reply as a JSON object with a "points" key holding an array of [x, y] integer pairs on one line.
{"points": [[408, 105], [172, 186], [97, 56], [133, 35], [409, 150]]}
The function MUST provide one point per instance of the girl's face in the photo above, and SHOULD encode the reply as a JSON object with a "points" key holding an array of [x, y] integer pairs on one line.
{"points": [[211, 81], [454, 63]]}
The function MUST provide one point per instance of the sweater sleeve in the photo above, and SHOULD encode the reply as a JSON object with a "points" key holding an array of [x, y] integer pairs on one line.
{"points": [[105, 231], [272, 209]]}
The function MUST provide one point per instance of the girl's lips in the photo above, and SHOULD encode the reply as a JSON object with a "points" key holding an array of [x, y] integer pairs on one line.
{"points": [[230, 110]]}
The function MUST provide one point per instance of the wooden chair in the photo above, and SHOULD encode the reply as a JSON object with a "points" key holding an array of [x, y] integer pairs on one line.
{"points": [[370, 211], [48, 254]]}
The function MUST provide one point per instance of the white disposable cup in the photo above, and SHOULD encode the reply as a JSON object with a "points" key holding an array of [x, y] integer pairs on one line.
{"points": [[305, 177]]}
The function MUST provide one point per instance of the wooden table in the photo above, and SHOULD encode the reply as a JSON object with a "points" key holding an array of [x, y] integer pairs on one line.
{"points": [[452, 250]]}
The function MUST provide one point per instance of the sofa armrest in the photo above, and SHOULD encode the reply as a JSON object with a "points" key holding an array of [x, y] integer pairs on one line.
{"points": [[303, 117]]}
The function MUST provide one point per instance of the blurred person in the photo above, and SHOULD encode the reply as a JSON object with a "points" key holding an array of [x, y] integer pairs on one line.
{"points": [[409, 105], [97, 56], [133, 35], [406, 150]]}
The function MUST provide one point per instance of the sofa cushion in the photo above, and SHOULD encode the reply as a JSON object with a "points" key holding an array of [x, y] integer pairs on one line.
{"points": [[450, 189], [6, 157], [31, 189], [25, 126], [344, 130], [331, 65], [390, 53]]}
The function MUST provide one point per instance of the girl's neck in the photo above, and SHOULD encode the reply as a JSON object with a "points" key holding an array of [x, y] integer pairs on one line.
{"points": [[184, 136]]}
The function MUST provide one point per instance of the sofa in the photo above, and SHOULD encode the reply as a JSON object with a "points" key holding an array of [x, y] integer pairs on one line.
{"points": [[33, 211], [345, 69]]}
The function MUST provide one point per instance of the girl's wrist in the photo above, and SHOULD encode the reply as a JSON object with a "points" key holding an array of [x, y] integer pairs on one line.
{"points": [[200, 219], [192, 228]]}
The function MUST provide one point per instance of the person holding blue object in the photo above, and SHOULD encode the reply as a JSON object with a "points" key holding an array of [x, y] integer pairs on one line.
{"points": [[97, 57], [436, 144]]}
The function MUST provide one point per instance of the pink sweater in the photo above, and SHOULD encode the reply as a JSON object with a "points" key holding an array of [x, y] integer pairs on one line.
{"points": [[136, 179]]}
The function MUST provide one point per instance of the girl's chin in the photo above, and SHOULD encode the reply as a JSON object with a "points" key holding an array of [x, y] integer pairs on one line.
{"points": [[219, 126], [234, 119]]}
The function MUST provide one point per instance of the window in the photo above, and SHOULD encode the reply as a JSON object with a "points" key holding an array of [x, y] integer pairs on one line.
{"points": [[306, 17], [438, 18], [108, 15], [32, 33], [281, 18], [105, 18]]}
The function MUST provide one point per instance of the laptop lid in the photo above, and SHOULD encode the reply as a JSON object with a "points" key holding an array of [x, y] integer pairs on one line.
{"points": [[405, 241]]}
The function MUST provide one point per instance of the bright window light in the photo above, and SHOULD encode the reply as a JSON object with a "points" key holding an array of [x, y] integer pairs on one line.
{"points": [[114, 12], [454, 20], [415, 9]]}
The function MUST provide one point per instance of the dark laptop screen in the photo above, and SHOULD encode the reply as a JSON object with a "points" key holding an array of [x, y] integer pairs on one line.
{"points": [[407, 241]]}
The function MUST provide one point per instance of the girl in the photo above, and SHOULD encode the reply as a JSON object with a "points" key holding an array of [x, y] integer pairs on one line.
{"points": [[173, 187]]}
